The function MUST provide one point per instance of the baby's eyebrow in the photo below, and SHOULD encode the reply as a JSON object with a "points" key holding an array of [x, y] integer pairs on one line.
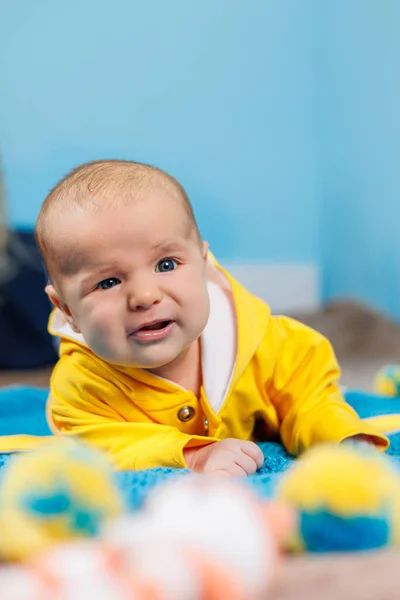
{"points": [[70, 264], [169, 245], [98, 272], [74, 263]]}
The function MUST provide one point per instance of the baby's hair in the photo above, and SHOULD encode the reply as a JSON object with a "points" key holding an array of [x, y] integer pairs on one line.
{"points": [[90, 185]]}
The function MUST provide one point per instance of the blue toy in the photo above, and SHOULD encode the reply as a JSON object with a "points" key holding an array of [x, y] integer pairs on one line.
{"points": [[347, 498]]}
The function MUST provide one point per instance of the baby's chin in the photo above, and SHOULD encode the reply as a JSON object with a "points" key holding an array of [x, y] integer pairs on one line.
{"points": [[134, 362], [150, 356]]}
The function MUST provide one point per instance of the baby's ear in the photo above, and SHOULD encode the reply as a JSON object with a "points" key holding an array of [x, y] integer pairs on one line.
{"points": [[54, 297], [59, 303], [205, 247]]}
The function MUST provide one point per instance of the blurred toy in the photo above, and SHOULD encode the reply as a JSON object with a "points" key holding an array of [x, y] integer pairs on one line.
{"points": [[387, 381], [18, 582], [347, 498], [164, 572], [204, 539], [82, 570], [61, 491], [90, 569], [197, 539]]}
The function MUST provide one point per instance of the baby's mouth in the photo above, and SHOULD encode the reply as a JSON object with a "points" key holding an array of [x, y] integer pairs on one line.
{"points": [[155, 331], [154, 326]]}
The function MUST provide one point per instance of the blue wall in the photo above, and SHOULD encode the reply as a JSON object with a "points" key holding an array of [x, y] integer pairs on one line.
{"points": [[282, 120], [220, 94], [359, 124]]}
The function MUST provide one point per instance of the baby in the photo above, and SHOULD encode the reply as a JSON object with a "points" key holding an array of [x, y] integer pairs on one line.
{"points": [[165, 359]]}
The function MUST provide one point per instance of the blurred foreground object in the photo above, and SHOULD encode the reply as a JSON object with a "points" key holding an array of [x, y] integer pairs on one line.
{"points": [[387, 381], [198, 538], [61, 491], [347, 498]]}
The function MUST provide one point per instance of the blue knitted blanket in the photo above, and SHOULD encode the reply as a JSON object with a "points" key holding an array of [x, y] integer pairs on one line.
{"points": [[22, 410]]}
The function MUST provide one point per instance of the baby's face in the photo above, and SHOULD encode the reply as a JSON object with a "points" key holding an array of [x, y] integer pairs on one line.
{"points": [[138, 292]]}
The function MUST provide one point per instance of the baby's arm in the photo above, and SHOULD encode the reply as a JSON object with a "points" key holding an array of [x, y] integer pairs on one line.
{"points": [[305, 391]]}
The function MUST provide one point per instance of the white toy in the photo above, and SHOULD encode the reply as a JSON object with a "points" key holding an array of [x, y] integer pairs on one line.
{"points": [[214, 529]]}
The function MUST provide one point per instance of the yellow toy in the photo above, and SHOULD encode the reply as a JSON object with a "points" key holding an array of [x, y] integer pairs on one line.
{"points": [[387, 381], [347, 498], [59, 492]]}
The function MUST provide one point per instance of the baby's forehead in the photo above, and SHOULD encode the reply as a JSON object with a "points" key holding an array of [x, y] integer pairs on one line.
{"points": [[117, 195], [78, 204], [74, 236]]}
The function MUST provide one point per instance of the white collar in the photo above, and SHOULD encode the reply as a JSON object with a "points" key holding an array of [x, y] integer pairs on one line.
{"points": [[218, 347]]}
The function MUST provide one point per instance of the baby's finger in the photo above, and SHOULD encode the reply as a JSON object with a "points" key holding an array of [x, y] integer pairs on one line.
{"points": [[252, 450], [219, 473], [247, 463], [230, 470]]}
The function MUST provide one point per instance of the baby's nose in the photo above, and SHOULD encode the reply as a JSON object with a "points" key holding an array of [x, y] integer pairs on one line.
{"points": [[144, 296]]}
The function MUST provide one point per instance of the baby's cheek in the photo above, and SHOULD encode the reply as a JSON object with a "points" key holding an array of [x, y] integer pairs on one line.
{"points": [[99, 330], [99, 342], [201, 303]]}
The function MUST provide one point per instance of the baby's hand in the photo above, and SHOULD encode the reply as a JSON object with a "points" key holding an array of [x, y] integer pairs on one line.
{"points": [[230, 457]]}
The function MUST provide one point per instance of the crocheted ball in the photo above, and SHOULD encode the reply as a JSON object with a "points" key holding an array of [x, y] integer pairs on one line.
{"points": [[19, 582], [387, 381], [78, 570], [347, 498], [61, 491], [90, 569], [223, 533]]}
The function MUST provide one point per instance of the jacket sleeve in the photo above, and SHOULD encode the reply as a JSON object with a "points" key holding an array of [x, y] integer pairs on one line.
{"points": [[85, 404], [305, 391]]}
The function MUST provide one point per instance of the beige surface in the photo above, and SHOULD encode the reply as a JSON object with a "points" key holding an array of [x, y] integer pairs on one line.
{"points": [[39, 377], [356, 331], [370, 576], [364, 341], [359, 373]]}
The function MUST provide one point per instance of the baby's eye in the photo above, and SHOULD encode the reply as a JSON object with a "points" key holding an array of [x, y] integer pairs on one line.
{"points": [[165, 265], [108, 283]]}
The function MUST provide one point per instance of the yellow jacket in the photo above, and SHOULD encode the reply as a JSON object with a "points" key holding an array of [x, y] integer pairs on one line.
{"points": [[283, 374]]}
